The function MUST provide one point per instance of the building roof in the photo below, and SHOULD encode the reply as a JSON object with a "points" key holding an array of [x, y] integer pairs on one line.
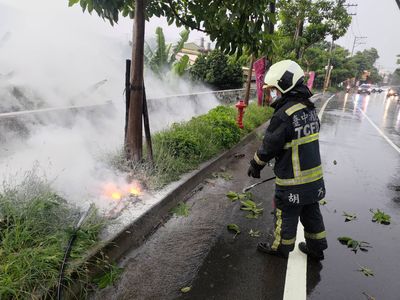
{"points": [[192, 46]]}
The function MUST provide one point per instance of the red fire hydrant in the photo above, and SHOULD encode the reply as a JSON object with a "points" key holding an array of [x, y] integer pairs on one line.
{"points": [[240, 106]]}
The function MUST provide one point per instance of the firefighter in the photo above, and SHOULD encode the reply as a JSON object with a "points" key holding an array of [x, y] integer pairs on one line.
{"points": [[292, 140]]}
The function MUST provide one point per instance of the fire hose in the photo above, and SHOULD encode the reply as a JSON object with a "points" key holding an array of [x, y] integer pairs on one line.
{"points": [[257, 183], [67, 252]]}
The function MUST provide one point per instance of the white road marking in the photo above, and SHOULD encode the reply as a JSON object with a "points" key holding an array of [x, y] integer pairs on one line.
{"points": [[296, 270], [321, 112], [381, 132]]}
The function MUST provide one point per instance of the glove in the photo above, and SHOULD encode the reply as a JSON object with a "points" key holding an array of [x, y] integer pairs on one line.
{"points": [[254, 169]]}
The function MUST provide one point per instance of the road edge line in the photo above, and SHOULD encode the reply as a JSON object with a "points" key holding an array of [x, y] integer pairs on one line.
{"points": [[321, 112], [381, 132]]}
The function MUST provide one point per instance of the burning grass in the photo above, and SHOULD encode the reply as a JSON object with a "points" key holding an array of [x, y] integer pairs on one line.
{"points": [[184, 146], [35, 226]]}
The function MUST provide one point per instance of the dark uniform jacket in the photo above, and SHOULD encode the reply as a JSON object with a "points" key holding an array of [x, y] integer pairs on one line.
{"points": [[292, 139]]}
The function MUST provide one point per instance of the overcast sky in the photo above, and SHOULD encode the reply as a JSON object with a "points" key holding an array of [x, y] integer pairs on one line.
{"points": [[379, 21]]}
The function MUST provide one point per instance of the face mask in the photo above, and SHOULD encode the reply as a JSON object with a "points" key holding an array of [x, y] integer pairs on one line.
{"points": [[274, 95]]}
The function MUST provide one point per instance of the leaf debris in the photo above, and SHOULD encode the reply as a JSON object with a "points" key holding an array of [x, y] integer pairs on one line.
{"points": [[380, 217]]}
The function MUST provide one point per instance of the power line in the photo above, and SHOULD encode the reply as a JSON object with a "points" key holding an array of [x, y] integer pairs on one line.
{"points": [[351, 5]]}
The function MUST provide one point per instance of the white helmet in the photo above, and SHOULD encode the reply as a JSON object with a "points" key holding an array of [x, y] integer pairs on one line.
{"points": [[283, 75]]}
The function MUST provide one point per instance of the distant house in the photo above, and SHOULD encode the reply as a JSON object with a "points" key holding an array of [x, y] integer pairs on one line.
{"points": [[192, 50]]}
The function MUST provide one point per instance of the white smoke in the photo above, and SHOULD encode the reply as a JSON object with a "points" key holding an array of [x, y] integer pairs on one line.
{"points": [[55, 56]]}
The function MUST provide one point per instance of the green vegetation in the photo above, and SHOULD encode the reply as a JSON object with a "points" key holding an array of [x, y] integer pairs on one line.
{"points": [[183, 146], [349, 217], [108, 276], [233, 228], [217, 70], [181, 210], [35, 226], [224, 175], [366, 271], [186, 289], [305, 23], [162, 58], [380, 217], [353, 244], [231, 24], [233, 196], [251, 207]]}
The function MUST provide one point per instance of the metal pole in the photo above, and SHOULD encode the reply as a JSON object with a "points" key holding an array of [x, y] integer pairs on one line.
{"points": [[147, 128], [127, 93]]}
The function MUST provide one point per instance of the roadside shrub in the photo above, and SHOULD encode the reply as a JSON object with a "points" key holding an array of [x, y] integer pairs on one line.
{"points": [[216, 70], [182, 143], [254, 116], [183, 146]]}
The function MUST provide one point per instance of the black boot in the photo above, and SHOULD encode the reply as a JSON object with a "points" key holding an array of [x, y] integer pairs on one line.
{"points": [[266, 248], [318, 255]]}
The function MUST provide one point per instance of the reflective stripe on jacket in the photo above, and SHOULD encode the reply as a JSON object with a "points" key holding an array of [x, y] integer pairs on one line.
{"points": [[292, 139]]}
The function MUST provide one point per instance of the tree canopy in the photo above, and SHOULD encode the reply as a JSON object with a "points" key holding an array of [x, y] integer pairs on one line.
{"points": [[344, 65], [232, 24], [305, 23]]}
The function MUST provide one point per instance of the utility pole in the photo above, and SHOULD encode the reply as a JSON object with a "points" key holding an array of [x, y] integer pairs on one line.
{"points": [[328, 68], [357, 41]]}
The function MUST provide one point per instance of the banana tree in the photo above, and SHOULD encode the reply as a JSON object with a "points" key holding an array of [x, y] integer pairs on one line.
{"points": [[163, 57]]}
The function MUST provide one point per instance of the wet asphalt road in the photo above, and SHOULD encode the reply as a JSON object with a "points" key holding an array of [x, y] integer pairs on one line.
{"points": [[366, 176], [198, 251]]}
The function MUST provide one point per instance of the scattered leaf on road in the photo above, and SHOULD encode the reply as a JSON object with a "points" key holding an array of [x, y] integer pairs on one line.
{"points": [[234, 228], [366, 271], [369, 297], [354, 244], [380, 217], [224, 175], [349, 217], [186, 289], [335, 162], [252, 207], [233, 196], [323, 202], [254, 233]]}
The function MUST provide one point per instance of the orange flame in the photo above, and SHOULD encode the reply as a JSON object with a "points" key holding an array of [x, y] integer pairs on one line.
{"points": [[118, 192], [116, 195], [135, 189]]}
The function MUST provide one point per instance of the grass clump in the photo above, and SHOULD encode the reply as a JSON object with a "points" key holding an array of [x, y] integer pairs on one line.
{"points": [[184, 146], [35, 226]]}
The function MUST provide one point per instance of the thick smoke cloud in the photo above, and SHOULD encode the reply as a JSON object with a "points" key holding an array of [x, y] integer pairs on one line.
{"points": [[52, 56]]}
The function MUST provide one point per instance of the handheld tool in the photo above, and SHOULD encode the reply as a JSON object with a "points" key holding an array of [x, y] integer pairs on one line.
{"points": [[257, 183]]}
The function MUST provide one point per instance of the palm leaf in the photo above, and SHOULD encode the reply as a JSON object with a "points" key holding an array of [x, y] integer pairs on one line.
{"points": [[180, 66], [179, 46]]}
